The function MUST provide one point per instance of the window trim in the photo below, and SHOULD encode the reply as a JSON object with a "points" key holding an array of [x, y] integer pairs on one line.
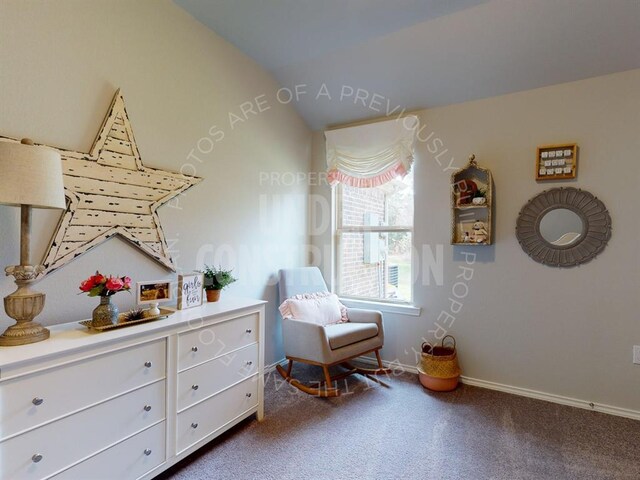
{"points": [[384, 306]]}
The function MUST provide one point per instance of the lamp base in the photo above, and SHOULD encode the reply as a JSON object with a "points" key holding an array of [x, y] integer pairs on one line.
{"points": [[23, 333], [23, 306]]}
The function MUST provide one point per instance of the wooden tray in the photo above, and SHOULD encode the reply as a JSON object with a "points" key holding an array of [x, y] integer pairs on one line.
{"points": [[164, 313]]}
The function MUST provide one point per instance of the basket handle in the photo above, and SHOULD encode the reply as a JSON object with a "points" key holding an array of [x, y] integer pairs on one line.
{"points": [[430, 347], [452, 338]]}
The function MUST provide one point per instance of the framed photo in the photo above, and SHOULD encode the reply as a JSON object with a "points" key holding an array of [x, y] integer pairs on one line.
{"points": [[563, 164], [153, 292], [190, 290]]}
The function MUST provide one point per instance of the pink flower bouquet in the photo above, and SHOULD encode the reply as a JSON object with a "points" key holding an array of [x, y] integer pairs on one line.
{"points": [[99, 285]]}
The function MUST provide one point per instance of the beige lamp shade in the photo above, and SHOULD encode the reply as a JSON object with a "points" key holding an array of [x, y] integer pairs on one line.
{"points": [[31, 175]]}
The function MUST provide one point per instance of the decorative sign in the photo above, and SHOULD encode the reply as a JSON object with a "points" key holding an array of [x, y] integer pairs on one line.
{"points": [[109, 192], [190, 290]]}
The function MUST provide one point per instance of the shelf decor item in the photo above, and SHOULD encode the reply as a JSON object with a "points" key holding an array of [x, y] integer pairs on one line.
{"points": [[99, 285], [439, 369], [152, 293], [216, 280], [125, 321], [557, 162], [472, 205], [31, 178], [190, 290]]}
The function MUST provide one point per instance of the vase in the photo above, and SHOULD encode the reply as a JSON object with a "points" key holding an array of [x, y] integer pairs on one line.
{"points": [[104, 314], [213, 295]]}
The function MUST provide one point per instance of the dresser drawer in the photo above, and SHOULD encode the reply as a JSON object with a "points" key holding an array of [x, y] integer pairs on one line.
{"points": [[63, 442], [130, 459], [205, 343], [34, 399], [205, 418], [202, 381]]}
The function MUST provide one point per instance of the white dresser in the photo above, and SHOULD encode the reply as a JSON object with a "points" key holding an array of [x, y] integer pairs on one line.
{"points": [[129, 403]]}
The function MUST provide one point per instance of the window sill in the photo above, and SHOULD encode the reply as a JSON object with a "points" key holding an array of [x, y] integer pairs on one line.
{"points": [[395, 308]]}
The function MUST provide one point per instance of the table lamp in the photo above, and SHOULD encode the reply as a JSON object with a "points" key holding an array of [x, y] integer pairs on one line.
{"points": [[30, 176]]}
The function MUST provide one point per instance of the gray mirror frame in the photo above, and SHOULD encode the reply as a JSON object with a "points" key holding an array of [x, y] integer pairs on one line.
{"points": [[595, 220]]}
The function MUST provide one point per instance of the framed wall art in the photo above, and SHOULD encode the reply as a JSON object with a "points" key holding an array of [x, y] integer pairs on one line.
{"points": [[190, 289], [557, 162]]}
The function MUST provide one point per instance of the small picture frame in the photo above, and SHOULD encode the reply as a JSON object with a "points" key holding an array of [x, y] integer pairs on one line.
{"points": [[557, 162], [190, 290], [152, 293]]}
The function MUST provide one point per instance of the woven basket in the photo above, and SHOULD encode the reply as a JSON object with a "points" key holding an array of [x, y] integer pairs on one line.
{"points": [[440, 362]]}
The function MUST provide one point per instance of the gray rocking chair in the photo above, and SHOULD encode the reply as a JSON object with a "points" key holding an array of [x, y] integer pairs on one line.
{"points": [[330, 345]]}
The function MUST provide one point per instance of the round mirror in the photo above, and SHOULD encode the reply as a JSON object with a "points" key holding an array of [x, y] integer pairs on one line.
{"points": [[561, 227]]}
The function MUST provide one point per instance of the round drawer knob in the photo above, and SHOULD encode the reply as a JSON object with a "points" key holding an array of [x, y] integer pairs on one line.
{"points": [[148, 364], [194, 349], [147, 408], [147, 451], [36, 458], [37, 401], [248, 330], [195, 386], [248, 395], [249, 362], [194, 425]]}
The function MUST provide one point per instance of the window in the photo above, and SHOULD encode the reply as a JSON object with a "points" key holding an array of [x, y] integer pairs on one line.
{"points": [[374, 228], [370, 165]]}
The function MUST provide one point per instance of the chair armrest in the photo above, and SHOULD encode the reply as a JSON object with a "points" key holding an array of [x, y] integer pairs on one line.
{"points": [[305, 340], [359, 315]]}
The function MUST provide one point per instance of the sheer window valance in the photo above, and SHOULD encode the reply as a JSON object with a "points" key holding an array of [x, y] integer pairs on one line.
{"points": [[373, 154]]}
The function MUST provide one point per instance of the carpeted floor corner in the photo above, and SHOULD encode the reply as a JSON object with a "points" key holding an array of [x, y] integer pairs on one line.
{"points": [[402, 431]]}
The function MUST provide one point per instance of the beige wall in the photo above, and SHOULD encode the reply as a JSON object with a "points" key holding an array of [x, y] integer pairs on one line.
{"points": [[567, 332], [60, 65]]}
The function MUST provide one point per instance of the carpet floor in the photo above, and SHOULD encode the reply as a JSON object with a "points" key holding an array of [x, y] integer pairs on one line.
{"points": [[402, 431]]}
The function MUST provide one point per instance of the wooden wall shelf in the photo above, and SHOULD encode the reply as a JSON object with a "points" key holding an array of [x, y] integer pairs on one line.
{"points": [[468, 186]]}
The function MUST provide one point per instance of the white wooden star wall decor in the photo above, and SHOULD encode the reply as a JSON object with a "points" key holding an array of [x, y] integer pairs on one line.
{"points": [[109, 192]]}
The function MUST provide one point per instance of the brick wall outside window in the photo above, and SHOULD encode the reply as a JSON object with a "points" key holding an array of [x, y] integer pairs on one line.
{"points": [[359, 278]]}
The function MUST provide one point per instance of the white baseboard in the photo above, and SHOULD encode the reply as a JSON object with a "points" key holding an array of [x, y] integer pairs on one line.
{"points": [[523, 392], [272, 367]]}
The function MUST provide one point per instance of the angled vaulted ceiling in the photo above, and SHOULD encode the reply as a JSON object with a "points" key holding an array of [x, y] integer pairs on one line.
{"points": [[423, 53]]}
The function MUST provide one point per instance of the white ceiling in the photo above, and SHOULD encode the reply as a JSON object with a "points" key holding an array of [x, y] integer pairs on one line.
{"points": [[423, 53]]}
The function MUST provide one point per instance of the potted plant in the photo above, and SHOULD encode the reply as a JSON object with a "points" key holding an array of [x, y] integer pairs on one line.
{"points": [[216, 279], [480, 197]]}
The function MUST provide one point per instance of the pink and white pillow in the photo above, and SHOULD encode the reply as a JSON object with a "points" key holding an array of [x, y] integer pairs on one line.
{"points": [[321, 308]]}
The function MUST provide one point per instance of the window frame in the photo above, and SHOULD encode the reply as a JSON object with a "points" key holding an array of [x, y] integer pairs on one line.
{"points": [[339, 230]]}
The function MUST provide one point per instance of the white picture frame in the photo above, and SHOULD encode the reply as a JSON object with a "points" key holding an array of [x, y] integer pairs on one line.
{"points": [[190, 290], [152, 293]]}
